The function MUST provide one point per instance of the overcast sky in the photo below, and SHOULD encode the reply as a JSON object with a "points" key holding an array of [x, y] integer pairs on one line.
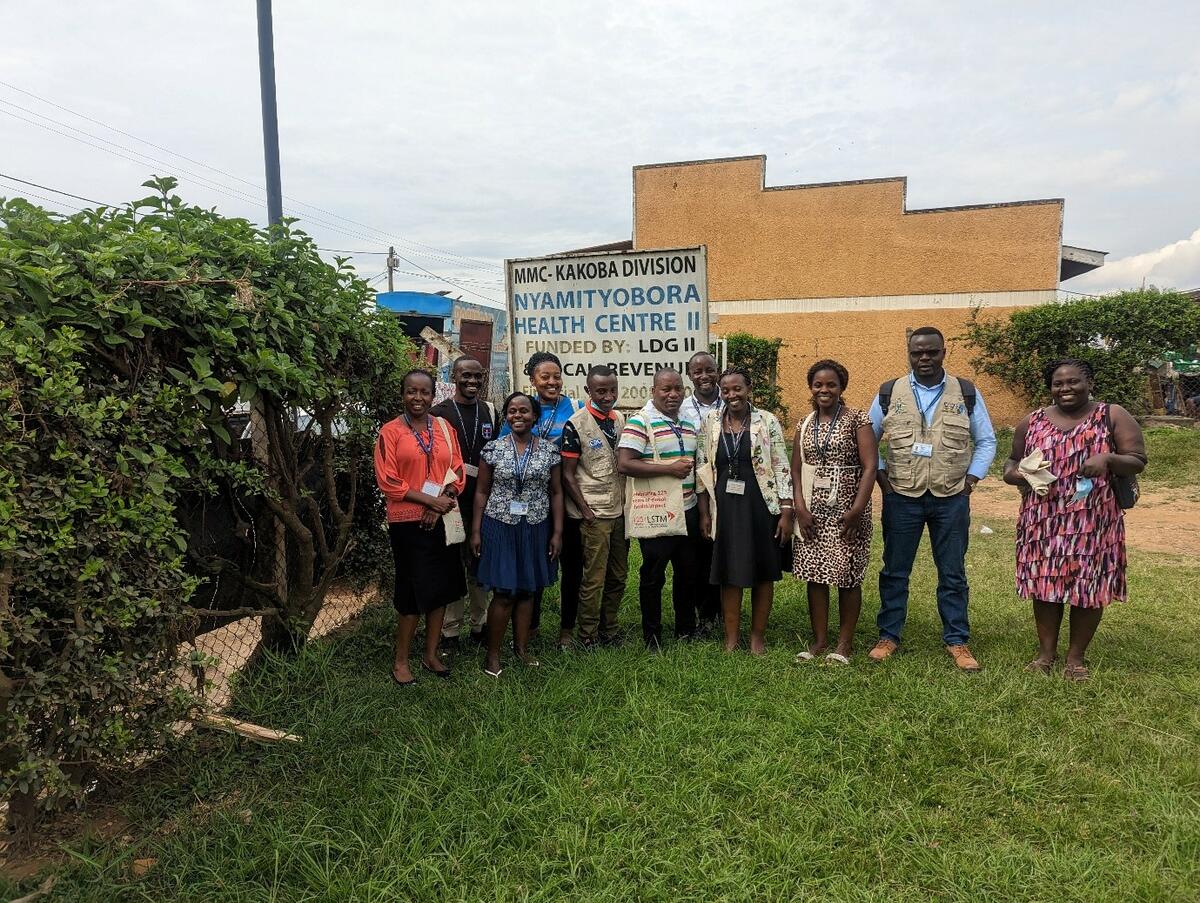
{"points": [[493, 129]]}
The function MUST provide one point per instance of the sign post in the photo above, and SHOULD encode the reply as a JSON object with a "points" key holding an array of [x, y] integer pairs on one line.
{"points": [[634, 311]]}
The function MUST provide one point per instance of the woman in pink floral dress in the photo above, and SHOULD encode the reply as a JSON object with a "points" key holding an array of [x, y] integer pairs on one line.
{"points": [[1071, 539]]}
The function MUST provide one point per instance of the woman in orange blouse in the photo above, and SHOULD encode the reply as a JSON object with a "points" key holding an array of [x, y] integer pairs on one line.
{"points": [[419, 469]]}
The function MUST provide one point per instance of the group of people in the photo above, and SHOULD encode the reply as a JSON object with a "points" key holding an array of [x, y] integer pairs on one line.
{"points": [[483, 501]]}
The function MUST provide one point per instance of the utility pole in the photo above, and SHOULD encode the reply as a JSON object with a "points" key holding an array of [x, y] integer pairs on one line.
{"points": [[270, 115], [392, 262]]}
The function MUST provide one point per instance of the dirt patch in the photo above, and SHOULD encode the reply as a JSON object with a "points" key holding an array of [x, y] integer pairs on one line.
{"points": [[1164, 520]]}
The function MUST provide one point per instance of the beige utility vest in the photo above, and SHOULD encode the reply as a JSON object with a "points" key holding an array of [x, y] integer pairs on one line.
{"points": [[602, 487], [949, 432]]}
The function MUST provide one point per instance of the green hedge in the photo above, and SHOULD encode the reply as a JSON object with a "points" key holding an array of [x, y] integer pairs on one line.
{"points": [[1118, 334], [127, 340], [761, 357]]}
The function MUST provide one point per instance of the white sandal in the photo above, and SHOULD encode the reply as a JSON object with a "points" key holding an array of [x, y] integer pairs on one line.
{"points": [[804, 656], [836, 658]]}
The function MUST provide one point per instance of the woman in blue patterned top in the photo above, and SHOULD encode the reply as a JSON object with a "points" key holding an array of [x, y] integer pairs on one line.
{"points": [[545, 376], [517, 525]]}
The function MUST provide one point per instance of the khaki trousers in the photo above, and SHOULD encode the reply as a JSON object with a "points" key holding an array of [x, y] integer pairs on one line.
{"points": [[478, 596], [605, 566]]}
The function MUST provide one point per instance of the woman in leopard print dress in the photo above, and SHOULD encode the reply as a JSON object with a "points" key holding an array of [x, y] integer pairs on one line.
{"points": [[833, 512]]}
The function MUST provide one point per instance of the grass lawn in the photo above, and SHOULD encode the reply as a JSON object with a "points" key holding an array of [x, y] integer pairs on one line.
{"points": [[699, 776]]}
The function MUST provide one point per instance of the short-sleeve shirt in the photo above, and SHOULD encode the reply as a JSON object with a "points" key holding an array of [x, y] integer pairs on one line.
{"points": [[474, 429], [672, 438], [535, 489], [572, 446], [553, 418]]}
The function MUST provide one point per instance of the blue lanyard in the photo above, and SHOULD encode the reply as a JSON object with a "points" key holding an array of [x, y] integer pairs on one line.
{"points": [[521, 464], [548, 428], [678, 431], [425, 444], [925, 410]]}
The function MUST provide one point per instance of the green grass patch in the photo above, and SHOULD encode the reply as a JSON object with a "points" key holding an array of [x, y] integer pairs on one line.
{"points": [[696, 775]]}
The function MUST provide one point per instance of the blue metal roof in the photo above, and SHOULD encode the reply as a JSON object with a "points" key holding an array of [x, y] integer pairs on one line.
{"points": [[421, 303]]}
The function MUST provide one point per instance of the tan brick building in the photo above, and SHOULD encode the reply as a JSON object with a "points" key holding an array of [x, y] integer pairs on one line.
{"points": [[843, 269]]}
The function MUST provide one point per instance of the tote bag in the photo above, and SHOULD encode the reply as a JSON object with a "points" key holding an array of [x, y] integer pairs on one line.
{"points": [[654, 505], [452, 521]]}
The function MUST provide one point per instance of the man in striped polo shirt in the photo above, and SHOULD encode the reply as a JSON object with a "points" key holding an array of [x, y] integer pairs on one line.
{"points": [[659, 422]]}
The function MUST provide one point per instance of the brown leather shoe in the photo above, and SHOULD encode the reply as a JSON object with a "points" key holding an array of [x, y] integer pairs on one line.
{"points": [[963, 658], [882, 650]]}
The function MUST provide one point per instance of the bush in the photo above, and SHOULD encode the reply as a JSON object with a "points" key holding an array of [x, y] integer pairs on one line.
{"points": [[131, 344], [761, 357], [1117, 334]]}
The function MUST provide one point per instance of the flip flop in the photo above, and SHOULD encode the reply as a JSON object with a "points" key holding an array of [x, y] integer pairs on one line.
{"points": [[804, 656], [836, 658], [491, 673], [1077, 673], [1037, 666]]}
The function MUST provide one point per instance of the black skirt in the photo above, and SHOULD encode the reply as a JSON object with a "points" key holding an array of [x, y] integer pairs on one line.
{"points": [[429, 573], [745, 551]]}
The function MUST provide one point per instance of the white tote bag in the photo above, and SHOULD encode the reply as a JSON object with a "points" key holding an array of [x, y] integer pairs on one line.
{"points": [[654, 505]]}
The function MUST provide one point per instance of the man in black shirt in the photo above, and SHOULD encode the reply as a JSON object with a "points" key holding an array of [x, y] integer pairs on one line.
{"points": [[474, 422]]}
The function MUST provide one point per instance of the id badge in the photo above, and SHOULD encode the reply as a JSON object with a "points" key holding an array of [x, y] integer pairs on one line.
{"points": [[470, 470], [822, 482], [432, 488], [518, 508], [922, 450], [735, 487]]}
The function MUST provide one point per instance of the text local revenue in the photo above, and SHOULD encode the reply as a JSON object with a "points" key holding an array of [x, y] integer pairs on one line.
{"points": [[605, 322]]}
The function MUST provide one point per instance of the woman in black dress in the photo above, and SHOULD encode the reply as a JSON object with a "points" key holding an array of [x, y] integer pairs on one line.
{"points": [[746, 506]]}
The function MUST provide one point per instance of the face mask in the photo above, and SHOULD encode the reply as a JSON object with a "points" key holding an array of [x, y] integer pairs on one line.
{"points": [[1083, 488]]}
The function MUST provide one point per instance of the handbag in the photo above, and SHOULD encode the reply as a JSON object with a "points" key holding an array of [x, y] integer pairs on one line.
{"points": [[1126, 489], [452, 522], [808, 472]]}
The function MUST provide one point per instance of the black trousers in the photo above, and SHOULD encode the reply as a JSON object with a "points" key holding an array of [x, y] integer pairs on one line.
{"points": [[680, 553], [571, 567]]}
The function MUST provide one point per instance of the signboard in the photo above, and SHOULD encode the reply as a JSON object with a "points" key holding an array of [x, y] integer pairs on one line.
{"points": [[635, 311]]}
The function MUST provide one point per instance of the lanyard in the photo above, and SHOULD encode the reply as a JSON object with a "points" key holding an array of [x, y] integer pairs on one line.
{"points": [[823, 450], [469, 456], [426, 444], [678, 431], [703, 409], [546, 430], [737, 444], [933, 404], [521, 464]]}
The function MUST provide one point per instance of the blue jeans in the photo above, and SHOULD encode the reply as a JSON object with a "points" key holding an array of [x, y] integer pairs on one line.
{"points": [[949, 521]]}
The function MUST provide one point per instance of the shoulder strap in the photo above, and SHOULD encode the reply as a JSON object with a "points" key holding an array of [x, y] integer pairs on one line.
{"points": [[803, 430], [885, 396], [968, 393]]}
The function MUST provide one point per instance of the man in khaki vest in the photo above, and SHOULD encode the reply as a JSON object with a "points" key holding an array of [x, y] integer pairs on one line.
{"points": [[940, 443], [596, 497]]}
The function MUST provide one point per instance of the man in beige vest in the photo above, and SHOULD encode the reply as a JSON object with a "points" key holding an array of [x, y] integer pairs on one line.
{"points": [[596, 497], [940, 443]]}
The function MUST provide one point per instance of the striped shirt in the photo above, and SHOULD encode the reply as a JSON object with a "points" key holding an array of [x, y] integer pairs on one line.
{"points": [[667, 435]]}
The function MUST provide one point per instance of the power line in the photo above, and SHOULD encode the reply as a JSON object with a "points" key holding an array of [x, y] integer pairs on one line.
{"points": [[403, 241], [65, 194], [26, 195], [213, 185]]}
